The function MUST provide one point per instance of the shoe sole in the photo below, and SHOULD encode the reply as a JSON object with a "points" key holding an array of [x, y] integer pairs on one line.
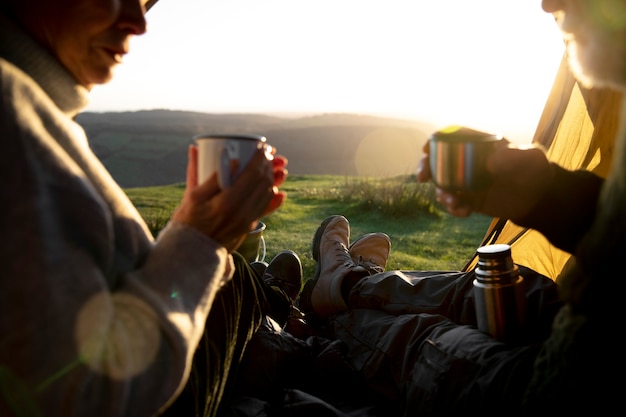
{"points": [[305, 296]]}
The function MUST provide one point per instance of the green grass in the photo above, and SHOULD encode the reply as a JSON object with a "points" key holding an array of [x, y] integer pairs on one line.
{"points": [[423, 236]]}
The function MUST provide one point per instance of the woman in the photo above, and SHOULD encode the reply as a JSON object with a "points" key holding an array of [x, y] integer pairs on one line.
{"points": [[97, 317]]}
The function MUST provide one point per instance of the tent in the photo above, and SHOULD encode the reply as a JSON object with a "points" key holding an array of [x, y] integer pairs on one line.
{"points": [[577, 127], [150, 3]]}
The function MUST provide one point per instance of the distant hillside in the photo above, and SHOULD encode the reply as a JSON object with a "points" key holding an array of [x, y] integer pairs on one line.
{"points": [[147, 148]]}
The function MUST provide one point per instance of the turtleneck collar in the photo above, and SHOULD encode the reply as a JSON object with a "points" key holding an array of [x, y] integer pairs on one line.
{"points": [[17, 47]]}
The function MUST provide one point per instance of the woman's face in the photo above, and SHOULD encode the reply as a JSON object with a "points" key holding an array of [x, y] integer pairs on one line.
{"points": [[595, 34], [89, 37]]}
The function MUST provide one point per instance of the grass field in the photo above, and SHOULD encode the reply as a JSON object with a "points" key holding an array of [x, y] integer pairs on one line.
{"points": [[423, 236]]}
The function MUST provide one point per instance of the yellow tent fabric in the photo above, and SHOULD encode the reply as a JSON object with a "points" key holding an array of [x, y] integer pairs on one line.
{"points": [[577, 127], [150, 3]]}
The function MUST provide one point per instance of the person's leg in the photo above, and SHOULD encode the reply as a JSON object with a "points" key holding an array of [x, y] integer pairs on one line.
{"points": [[236, 314], [412, 333], [340, 283], [450, 294], [342, 280], [339, 266], [432, 366]]}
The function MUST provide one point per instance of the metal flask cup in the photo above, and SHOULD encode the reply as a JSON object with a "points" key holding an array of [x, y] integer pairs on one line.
{"points": [[499, 294], [458, 158]]}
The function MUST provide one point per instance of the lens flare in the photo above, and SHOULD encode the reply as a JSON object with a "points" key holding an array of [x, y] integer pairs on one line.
{"points": [[611, 14]]}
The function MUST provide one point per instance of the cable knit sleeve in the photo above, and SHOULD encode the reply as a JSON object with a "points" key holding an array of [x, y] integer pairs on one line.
{"points": [[96, 317]]}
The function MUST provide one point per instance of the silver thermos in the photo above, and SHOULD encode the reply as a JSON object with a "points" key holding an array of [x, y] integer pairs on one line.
{"points": [[499, 293]]}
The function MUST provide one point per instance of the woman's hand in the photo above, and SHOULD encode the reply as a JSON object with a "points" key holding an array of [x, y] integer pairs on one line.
{"points": [[520, 178], [228, 215]]}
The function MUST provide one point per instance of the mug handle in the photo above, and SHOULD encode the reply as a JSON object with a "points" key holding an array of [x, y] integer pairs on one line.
{"points": [[264, 251]]}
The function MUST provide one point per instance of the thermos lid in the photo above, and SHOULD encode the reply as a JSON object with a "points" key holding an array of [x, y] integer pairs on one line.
{"points": [[494, 251], [495, 264]]}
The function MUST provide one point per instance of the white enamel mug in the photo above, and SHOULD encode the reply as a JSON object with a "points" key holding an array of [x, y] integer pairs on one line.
{"points": [[216, 152]]}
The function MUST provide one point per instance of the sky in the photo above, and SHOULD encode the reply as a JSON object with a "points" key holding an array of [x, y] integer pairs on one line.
{"points": [[488, 64]]}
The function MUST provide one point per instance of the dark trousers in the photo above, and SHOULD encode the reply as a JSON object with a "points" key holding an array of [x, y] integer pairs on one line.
{"points": [[412, 335], [235, 316]]}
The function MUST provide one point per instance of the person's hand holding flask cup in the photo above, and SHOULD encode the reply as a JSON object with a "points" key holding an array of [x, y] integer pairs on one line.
{"points": [[458, 158], [230, 187], [483, 172]]}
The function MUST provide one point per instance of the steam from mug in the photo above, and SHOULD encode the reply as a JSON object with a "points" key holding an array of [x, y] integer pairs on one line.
{"points": [[217, 152]]}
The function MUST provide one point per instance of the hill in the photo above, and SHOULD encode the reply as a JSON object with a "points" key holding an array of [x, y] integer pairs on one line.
{"points": [[149, 147]]}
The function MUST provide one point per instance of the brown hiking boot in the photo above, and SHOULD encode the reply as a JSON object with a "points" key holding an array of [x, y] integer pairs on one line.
{"points": [[322, 294], [371, 251]]}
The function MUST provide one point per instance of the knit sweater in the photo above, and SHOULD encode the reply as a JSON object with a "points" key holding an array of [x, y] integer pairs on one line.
{"points": [[96, 316]]}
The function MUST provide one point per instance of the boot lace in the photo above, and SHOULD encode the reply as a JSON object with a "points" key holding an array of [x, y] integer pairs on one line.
{"points": [[287, 286], [369, 265], [341, 252]]}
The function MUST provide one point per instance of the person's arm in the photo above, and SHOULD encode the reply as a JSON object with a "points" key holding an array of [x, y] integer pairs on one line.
{"points": [[567, 210], [529, 190], [95, 318]]}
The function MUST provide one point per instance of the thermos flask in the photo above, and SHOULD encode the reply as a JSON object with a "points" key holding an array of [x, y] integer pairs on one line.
{"points": [[499, 293]]}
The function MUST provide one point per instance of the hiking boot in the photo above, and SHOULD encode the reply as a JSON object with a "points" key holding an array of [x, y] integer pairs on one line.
{"points": [[285, 272], [322, 294], [371, 251], [259, 267]]}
